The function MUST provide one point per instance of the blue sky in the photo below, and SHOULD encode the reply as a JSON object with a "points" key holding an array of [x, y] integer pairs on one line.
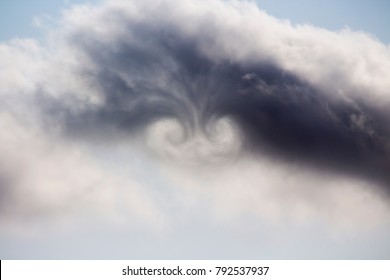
{"points": [[17, 16], [370, 16]]}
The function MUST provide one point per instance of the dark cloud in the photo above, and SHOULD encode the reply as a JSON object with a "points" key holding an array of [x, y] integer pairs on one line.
{"points": [[162, 74]]}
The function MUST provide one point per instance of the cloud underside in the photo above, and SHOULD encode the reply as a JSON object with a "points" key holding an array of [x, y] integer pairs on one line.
{"points": [[211, 97]]}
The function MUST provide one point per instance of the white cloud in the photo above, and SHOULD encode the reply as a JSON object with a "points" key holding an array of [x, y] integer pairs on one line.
{"points": [[48, 175]]}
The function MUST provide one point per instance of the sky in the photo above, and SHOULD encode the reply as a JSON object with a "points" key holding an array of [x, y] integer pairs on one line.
{"points": [[226, 130], [19, 18]]}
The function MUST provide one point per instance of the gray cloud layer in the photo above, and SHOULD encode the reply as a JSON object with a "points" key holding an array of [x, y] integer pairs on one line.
{"points": [[156, 70]]}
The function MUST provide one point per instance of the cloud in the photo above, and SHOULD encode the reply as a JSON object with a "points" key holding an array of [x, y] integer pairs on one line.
{"points": [[229, 110]]}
